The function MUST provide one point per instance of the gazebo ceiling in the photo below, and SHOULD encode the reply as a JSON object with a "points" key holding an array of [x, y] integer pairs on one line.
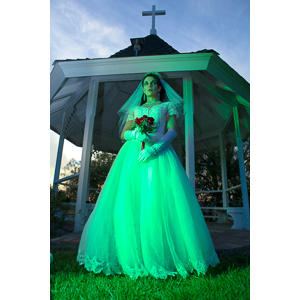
{"points": [[216, 89]]}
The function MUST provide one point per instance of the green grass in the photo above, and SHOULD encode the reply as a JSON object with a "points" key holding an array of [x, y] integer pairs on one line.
{"points": [[228, 280]]}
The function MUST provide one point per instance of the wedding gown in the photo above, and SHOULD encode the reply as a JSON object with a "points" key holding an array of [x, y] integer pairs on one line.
{"points": [[147, 221]]}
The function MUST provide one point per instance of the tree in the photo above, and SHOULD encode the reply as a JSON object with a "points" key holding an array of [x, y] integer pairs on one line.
{"points": [[208, 174], [99, 169], [100, 165], [58, 211]]}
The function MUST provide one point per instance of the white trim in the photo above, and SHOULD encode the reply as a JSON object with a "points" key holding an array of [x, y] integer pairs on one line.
{"points": [[227, 96], [135, 64], [223, 171], [83, 184], [79, 94], [57, 79], [189, 128], [67, 178], [242, 168], [59, 153], [222, 71]]}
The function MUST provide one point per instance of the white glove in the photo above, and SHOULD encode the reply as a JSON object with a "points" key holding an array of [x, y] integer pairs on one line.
{"points": [[161, 144], [135, 135]]}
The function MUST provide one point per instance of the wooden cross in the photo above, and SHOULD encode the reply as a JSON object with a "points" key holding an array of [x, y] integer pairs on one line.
{"points": [[153, 13]]}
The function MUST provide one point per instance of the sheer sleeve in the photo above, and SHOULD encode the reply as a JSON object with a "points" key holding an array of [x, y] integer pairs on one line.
{"points": [[171, 110], [130, 115]]}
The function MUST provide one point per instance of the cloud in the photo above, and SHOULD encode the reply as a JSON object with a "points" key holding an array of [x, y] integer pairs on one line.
{"points": [[75, 33]]}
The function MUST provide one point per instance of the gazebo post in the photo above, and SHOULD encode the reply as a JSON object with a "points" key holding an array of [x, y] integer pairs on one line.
{"points": [[59, 153], [223, 171], [83, 184], [246, 217], [189, 128]]}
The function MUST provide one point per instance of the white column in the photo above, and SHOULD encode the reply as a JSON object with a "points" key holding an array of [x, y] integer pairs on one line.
{"points": [[223, 171], [59, 152], [189, 128], [246, 216], [83, 184]]}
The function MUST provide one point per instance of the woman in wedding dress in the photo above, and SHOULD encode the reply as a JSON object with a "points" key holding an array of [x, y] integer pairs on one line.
{"points": [[147, 220]]}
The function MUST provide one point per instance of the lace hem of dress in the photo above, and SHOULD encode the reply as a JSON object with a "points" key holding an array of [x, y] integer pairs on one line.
{"points": [[113, 268]]}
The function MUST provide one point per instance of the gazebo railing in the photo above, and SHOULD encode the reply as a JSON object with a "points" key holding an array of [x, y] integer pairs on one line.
{"points": [[61, 182], [224, 213], [89, 207], [219, 191]]}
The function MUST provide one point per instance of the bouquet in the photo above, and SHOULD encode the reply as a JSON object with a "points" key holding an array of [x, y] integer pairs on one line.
{"points": [[144, 125]]}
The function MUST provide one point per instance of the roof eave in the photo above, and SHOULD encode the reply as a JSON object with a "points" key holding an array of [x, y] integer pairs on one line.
{"points": [[134, 64], [187, 62], [233, 80]]}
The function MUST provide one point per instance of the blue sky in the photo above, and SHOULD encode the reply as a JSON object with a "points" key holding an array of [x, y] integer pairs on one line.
{"points": [[98, 28]]}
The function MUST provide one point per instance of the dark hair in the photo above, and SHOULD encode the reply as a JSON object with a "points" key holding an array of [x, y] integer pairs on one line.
{"points": [[162, 92]]}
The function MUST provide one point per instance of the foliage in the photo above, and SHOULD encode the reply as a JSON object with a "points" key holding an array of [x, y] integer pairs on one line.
{"points": [[228, 280], [58, 211], [101, 163], [100, 166], [208, 174], [71, 168]]}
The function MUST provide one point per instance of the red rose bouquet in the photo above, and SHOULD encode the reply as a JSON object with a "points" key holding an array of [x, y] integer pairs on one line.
{"points": [[144, 125]]}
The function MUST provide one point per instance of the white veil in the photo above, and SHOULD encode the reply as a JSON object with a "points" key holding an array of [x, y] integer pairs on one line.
{"points": [[135, 100]]}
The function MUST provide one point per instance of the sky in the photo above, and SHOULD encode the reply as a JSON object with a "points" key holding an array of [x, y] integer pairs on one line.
{"points": [[98, 29]]}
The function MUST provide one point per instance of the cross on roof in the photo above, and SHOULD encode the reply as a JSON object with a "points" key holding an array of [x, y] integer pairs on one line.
{"points": [[153, 13]]}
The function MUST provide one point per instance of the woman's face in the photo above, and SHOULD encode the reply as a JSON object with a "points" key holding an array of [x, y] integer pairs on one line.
{"points": [[150, 87]]}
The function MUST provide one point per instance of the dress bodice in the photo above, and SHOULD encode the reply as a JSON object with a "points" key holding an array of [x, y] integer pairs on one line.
{"points": [[159, 112]]}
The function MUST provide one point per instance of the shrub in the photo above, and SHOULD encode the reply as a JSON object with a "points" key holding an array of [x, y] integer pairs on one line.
{"points": [[58, 211]]}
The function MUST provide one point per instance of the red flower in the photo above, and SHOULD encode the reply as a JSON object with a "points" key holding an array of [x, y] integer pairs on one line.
{"points": [[139, 121], [144, 124], [150, 120]]}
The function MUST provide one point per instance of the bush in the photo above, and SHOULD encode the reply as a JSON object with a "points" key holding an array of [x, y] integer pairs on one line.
{"points": [[58, 211]]}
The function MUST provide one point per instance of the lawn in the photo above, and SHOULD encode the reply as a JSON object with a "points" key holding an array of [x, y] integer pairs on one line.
{"points": [[229, 280]]}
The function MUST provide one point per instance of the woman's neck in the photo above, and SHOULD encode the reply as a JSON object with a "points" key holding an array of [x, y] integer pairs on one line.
{"points": [[150, 103], [152, 100]]}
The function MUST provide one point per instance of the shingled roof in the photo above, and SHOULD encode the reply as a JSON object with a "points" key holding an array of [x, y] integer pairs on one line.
{"points": [[154, 45]]}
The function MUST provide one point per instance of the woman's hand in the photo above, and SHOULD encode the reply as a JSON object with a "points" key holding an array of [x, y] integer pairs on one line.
{"points": [[145, 154], [127, 127], [141, 137], [135, 135]]}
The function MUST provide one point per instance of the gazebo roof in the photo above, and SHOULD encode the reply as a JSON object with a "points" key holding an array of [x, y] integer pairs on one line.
{"points": [[154, 45], [216, 89]]}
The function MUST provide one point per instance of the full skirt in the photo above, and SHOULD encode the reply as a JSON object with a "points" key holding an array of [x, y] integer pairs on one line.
{"points": [[147, 221]]}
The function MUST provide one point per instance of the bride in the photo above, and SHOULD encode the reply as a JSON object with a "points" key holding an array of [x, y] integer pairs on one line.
{"points": [[147, 220]]}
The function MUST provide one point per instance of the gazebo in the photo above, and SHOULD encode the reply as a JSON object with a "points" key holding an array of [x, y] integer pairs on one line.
{"points": [[85, 95]]}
